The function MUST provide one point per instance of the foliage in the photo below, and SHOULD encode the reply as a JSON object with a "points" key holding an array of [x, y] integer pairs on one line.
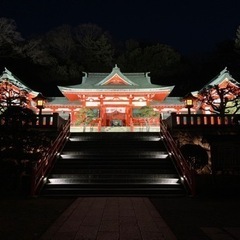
{"points": [[196, 156], [86, 116], [36, 51], [10, 38], [237, 39], [94, 47], [20, 145], [19, 148], [147, 112], [159, 59], [17, 116], [221, 100], [62, 54]]}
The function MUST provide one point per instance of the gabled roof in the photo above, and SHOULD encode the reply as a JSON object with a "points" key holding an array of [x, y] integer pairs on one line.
{"points": [[115, 81], [224, 75], [116, 78], [7, 75]]}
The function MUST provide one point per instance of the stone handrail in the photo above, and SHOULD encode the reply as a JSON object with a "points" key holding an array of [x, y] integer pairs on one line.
{"points": [[38, 121]]}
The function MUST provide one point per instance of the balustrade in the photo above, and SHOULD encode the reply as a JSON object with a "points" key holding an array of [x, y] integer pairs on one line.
{"points": [[202, 120]]}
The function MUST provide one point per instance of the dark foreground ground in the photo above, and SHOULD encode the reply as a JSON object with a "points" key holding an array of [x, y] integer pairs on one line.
{"points": [[29, 218], [191, 218]]}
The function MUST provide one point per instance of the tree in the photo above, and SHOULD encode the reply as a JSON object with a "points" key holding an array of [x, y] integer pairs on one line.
{"points": [[53, 56], [19, 147], [159, 59], [60, 43], [86, 116], [195, 155], [221, 99], [95, 47], [237, 39], [9, 37], [11, 96], [36, 51], [147, 113]]}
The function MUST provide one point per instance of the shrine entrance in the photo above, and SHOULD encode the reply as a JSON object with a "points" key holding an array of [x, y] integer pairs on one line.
{"points": [[115, 116]]}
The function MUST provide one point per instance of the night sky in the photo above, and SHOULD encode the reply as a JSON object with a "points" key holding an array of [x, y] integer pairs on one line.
{"points": [[188, 26]]}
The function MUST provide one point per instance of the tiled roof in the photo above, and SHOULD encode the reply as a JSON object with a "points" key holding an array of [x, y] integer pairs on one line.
{"points": [[169, 101], [95, 81], [59, 101], [15, 81], [224, 74]]}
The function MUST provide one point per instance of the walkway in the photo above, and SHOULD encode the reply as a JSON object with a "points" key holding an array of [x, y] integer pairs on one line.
{"points": [[115, 129], [110, 218]]}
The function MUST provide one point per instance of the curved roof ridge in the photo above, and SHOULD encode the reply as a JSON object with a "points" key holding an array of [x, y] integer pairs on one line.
{"points": [[116, 71], [16, 81]]}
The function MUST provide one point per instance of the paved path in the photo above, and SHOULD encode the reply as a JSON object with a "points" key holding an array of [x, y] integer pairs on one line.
{"points": [[136, 218], [110, 218]]}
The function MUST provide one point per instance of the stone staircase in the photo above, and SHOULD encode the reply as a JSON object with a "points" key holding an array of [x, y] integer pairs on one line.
{"points": [[101, 164]]}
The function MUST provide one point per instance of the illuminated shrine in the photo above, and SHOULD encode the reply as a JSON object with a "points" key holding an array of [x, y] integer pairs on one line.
{"points": [[115, 97]]}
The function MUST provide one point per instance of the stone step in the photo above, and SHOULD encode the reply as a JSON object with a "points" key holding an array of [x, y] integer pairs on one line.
{"points": [[113, 163], [113, 154], [114, 190], [111, 170], [126, 136], [157, 166], [158, 176]]}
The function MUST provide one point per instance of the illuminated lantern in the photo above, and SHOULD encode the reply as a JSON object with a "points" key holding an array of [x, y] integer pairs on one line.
{"points": [[189, 100], [40, 101]]}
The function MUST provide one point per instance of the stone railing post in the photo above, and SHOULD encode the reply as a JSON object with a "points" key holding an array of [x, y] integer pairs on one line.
{"points": [[173, 119], [55, 119]]}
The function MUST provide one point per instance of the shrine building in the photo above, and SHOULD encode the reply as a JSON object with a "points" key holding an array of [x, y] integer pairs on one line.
{"points": [[115, 97]]}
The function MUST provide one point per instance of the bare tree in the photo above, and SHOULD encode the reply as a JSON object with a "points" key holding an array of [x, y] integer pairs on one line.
{"points": [[221, 100], [11, 96]]}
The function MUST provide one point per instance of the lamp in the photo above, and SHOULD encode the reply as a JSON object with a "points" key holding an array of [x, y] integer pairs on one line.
{"points": [[189, 101], [40, 102]]}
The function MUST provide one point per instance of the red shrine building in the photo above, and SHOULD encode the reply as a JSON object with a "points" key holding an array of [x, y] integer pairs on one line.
{"points": [[114, 97]]}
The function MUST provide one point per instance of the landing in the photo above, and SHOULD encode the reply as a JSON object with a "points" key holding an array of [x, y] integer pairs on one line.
{"points": [[115, 129]]}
